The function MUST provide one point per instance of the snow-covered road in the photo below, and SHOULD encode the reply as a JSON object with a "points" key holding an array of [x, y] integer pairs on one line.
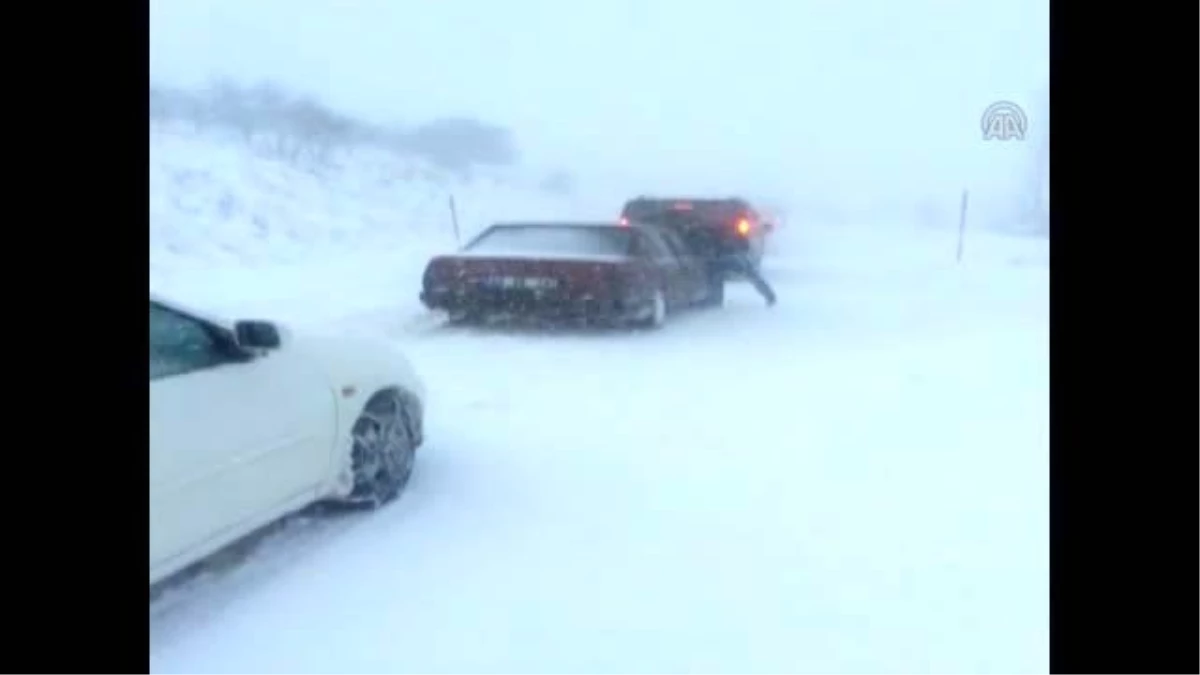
{"points": [[853, 481]]}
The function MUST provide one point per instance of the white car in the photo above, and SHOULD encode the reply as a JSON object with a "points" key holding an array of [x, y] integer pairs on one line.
{"points": [[250, 421]]}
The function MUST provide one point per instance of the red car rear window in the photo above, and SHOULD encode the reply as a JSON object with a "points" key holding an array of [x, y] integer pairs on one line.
{"points": [[550, 240]]}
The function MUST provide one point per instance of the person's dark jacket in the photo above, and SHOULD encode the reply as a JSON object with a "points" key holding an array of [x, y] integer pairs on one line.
{"points": [[706, 245]]}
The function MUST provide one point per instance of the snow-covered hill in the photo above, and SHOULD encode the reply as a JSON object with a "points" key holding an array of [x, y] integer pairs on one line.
{"points": [[232, 226]]}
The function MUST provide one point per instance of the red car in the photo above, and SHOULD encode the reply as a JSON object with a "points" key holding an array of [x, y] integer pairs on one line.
{"points": [[599, 271]]}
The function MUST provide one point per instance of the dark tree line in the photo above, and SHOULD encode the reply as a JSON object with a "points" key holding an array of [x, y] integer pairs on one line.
{"points": [[298, 127]]}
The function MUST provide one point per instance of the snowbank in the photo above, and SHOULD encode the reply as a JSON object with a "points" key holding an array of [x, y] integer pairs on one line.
{"points": [[235, 229]]}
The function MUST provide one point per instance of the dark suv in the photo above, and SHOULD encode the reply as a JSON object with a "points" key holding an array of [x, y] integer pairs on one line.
{"points": [[730, 226]]}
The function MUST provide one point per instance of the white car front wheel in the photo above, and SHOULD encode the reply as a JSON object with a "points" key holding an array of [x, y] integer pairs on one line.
{"points": [[383, 452]]}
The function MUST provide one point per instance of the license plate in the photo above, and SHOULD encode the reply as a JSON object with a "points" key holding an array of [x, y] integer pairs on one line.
{"points": [[532, 283]]}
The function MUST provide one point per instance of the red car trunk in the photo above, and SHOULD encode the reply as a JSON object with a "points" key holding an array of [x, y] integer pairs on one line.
{"points": [[515, 285], [560, 276]]}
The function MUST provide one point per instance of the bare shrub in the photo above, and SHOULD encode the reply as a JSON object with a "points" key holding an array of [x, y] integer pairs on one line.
{"points": [[302, 130]]}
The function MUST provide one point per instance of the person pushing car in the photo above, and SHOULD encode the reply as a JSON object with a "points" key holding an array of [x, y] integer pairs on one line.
{"points": [[720, 262], [723, 233]]}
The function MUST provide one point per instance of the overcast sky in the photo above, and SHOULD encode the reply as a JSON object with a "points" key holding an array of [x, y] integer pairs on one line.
{"points": [[814, 95]]}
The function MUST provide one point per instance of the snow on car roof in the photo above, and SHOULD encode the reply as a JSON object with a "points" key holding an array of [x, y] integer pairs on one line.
{"points": [[578, 240], [552, 223]]}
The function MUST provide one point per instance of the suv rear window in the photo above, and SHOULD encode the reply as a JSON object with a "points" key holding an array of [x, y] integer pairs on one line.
{"points": [[679, 210]]}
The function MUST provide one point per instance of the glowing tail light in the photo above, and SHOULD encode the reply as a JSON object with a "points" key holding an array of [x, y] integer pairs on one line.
{"points": [[623, 221], [743, 226]]}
